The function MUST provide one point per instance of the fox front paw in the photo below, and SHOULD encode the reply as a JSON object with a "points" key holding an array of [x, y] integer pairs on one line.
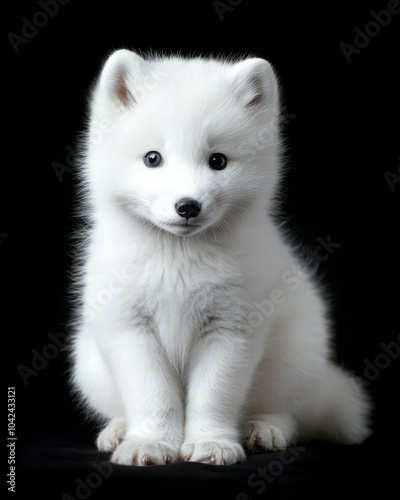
{"points": [[215, 452], [135, 451]]}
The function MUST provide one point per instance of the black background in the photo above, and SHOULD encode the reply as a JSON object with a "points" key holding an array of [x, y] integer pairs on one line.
{"points": [[342, 135]]}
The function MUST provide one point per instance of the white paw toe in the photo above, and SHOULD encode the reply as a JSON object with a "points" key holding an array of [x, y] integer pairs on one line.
{"points": [[216, 452], [134, 451], [110, 437], [265, 437], [270, 432]]}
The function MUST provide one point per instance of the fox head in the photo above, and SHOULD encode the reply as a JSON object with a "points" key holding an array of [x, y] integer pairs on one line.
{"points": [[183, 145]]}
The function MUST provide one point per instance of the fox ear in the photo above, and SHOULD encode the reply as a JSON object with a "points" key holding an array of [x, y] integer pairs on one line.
{"points": [[119, 75], [255, 83]]}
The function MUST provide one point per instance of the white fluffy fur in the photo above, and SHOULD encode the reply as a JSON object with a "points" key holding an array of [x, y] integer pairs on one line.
{"points": [[177, 346]]}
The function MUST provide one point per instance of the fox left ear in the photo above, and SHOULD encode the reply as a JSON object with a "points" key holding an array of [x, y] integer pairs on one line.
{"points": [[255, 83], [120, 78]]}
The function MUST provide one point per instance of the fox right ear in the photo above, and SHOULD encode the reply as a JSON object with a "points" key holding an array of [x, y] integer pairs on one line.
{"points": [[119, 75]]}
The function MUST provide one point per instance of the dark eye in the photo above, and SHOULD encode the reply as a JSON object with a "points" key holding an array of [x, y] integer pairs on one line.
{"points": [[217, 161], [152, 159]]}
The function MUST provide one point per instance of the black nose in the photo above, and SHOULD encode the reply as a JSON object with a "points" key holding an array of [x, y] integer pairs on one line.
{"points": [[186, 207]]}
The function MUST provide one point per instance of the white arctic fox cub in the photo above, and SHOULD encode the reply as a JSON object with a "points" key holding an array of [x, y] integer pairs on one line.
{"points": [[199, 336]]}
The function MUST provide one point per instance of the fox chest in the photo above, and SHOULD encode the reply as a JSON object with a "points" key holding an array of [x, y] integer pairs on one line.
{"points": [[180, 303]]}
